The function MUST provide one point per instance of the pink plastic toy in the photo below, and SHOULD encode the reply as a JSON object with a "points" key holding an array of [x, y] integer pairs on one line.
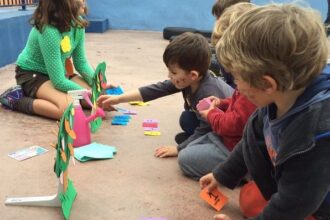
{"points": [[203, 104], [81, 122]]}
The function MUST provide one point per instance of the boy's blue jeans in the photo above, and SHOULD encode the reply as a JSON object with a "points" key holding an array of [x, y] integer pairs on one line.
{"points": [[188, 122]]}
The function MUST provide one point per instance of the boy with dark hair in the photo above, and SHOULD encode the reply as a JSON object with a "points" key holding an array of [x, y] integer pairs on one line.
{"points": [[220, 5], [187, 58], [278, 65], [227, 117]]}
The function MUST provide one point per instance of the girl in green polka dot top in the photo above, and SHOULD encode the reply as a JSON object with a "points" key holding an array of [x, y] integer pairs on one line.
{"points": [[44, 69]]}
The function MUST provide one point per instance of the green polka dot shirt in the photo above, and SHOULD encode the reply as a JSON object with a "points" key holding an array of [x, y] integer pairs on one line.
{"points": [[43, 53]]}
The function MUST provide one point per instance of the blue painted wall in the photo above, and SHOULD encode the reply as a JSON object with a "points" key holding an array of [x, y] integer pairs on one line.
{"points": [[123, 14], [153, 14], [157, 14], [14, 29]]}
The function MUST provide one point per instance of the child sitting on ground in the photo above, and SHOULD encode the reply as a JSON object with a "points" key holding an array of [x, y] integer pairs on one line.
{"points": [[227, 117], [276, 54], [187, 58], [217, 9], [57, 34]]}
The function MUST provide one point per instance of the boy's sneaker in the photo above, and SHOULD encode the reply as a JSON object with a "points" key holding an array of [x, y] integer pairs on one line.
{"points": [[8, 98], [181, 137]]}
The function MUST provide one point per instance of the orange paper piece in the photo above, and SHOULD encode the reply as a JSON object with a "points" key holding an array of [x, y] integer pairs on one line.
{"points": [[215, 198], [68, 129]]}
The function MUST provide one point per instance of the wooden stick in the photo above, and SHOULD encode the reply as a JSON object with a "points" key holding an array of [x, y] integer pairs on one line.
{"points": [[65, 180]]}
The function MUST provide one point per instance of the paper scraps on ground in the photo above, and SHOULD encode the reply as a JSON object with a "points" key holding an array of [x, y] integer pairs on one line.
{"points": [[139, 103], [115, 91], [150, 123], [215, 198], [152, 133], [27, 153], [121, 119], [94, 151], [150, 127], [126, 111]]}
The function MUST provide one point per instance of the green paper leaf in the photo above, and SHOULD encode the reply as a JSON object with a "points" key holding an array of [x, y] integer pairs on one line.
{"points": [[96, 124], [67, 199]]}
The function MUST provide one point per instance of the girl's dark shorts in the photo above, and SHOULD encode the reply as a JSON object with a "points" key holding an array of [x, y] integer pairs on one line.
{"points": [[30, 81]]}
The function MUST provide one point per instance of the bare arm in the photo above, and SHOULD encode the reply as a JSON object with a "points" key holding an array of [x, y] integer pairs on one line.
{"points": [[107, 101]]}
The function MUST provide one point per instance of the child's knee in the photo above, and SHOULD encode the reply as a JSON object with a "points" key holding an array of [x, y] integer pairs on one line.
{"points": [[187, 164], [62, 108], [251, 200], [182, 158]]}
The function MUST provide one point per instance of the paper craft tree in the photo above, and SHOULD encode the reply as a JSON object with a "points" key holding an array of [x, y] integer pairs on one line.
{"points": [[64, 150], [99, 84]]}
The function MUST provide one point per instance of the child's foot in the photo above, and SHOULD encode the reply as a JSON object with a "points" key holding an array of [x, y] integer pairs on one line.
{"points": [[10, 96]]}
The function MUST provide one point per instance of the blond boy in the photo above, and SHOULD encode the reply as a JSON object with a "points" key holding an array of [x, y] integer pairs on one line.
{"points": [[276, 54]]}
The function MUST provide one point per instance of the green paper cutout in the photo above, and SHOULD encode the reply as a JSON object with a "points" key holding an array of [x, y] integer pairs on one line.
{"points": [[63, 140], [94, 151], [99, 79], [67, 199]]}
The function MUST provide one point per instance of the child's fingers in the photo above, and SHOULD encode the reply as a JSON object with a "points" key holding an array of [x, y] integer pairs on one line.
{"points": [[100, 100], [108, 108], [159, 151], [203, 182], [159, 154], [208, 181], [212, 98], [221, 217]]}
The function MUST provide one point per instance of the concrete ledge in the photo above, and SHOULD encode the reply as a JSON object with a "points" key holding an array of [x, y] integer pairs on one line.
{"points": [[97, 25]]}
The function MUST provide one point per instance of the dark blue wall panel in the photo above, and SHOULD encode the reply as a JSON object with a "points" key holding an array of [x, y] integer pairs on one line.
{"points": [[14, 29]]}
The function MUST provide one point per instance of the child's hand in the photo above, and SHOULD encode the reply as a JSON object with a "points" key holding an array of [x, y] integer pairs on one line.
{"points": [[204, 113], [221, 217], [166, 151], [215, 101], [106, 102], [208, 181]]}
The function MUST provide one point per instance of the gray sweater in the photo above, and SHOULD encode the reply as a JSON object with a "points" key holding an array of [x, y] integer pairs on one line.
{"points": [[209, 86]]}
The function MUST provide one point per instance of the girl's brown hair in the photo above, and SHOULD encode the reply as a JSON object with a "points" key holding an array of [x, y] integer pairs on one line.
{"points": [[62, 14]]}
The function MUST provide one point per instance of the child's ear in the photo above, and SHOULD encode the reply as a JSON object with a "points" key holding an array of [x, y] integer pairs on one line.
{"points": [[270, 84], [194, 74]]}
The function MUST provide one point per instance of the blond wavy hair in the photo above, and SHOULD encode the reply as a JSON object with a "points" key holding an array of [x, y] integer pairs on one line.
{"points": [[228, 17], [284, 41]]}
